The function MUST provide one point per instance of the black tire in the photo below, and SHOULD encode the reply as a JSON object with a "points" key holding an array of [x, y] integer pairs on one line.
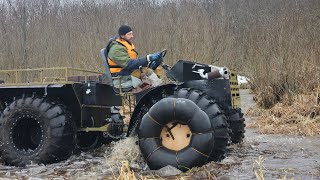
{"points": [[36, 130], [183, 111], [237, 125], [218, 120]]}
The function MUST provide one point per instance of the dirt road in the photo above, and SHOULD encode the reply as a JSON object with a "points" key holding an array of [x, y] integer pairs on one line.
{"points": [[290, 156]]}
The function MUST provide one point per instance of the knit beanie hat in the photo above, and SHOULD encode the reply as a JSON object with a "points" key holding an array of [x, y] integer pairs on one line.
{"points": [[124, 29]]}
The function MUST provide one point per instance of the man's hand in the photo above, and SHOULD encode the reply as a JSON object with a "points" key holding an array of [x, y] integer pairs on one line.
{"points": [[154, 57], [154, 60]]}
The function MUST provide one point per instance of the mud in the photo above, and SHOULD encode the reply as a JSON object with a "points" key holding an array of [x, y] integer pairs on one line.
{"points": [[285, 156]]}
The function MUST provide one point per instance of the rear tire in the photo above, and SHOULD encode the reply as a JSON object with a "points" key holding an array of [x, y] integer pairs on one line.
{"points": [[237, 125], [36, 130]]}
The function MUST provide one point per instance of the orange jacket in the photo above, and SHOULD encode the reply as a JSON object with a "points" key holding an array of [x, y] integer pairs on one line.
{"points": [[114, 67]]}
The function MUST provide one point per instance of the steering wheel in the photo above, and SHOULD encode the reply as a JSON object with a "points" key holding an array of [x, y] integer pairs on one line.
{"points": [[163, 53], [160, 61]]}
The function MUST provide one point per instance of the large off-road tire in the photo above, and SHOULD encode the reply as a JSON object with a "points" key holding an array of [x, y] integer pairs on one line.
{"points": [[218, 120], [237, 125], [175, 132], [36, 130]]}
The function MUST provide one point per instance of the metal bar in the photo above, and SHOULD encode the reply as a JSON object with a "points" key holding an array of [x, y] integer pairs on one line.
{"points": [[100, 129], [66, 75], [16, 74], [94, 106], [120, 87], [35, 69], [81, 116], [34, 83], [83, 70], [53, 68], [129, 97], [41, 76], [123, 104]]}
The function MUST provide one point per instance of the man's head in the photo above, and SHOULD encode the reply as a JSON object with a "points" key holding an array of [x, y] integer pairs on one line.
{"points": [[125, 32]]}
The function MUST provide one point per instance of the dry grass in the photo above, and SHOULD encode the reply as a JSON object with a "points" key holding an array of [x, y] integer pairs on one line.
{"points": [[302, 117], [125, 150], [125, 172], [258, 167]]}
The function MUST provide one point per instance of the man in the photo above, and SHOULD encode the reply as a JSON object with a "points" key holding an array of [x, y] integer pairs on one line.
{"points": [[122, 57]]}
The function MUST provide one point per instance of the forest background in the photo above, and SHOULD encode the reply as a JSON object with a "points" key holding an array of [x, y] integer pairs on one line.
{"points": [[276, 43]]}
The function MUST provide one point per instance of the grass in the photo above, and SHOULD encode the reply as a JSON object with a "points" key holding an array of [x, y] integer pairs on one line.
{"points": [[301, 117], [126, 173], [257, 166], [258, 169]]}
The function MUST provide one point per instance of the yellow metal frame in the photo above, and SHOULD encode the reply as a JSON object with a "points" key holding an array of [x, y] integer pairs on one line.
{"points": [[100, 129], [128, 100], [61, 76], [235, 89]]}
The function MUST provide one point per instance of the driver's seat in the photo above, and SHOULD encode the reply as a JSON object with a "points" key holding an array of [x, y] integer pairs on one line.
{"points": [[106, 66], [127, 97], [108, 75]]}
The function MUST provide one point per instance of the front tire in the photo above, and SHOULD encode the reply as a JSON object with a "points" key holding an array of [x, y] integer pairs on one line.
{"points": [[175, 132], [36, 130], [218, 120]]}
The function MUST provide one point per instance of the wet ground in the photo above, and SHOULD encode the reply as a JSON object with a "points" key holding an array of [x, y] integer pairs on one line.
{"points": [[284, 156]]}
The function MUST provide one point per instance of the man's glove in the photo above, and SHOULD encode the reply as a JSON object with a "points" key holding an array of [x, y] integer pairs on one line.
{"points": [[154, 56], [154, 60]]}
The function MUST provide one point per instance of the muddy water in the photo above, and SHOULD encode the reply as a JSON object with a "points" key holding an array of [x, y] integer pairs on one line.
{"points": [[285, 156], [291, 156]]}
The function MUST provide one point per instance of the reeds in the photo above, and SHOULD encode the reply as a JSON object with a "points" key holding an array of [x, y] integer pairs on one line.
{"points": [[302, 117], [258, 168]]}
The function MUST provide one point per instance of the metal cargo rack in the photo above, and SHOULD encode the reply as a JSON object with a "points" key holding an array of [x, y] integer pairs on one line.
{"points": [[42, 76]]}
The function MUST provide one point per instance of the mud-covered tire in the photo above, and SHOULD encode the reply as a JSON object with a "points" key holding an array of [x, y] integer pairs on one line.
{"points": [[218, 120], [179, 110], [237, 125], [36, 130]]}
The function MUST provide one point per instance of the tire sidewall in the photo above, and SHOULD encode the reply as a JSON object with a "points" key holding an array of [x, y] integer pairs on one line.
{"points": [[186, 112], [57, 140], [7, 127]]}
